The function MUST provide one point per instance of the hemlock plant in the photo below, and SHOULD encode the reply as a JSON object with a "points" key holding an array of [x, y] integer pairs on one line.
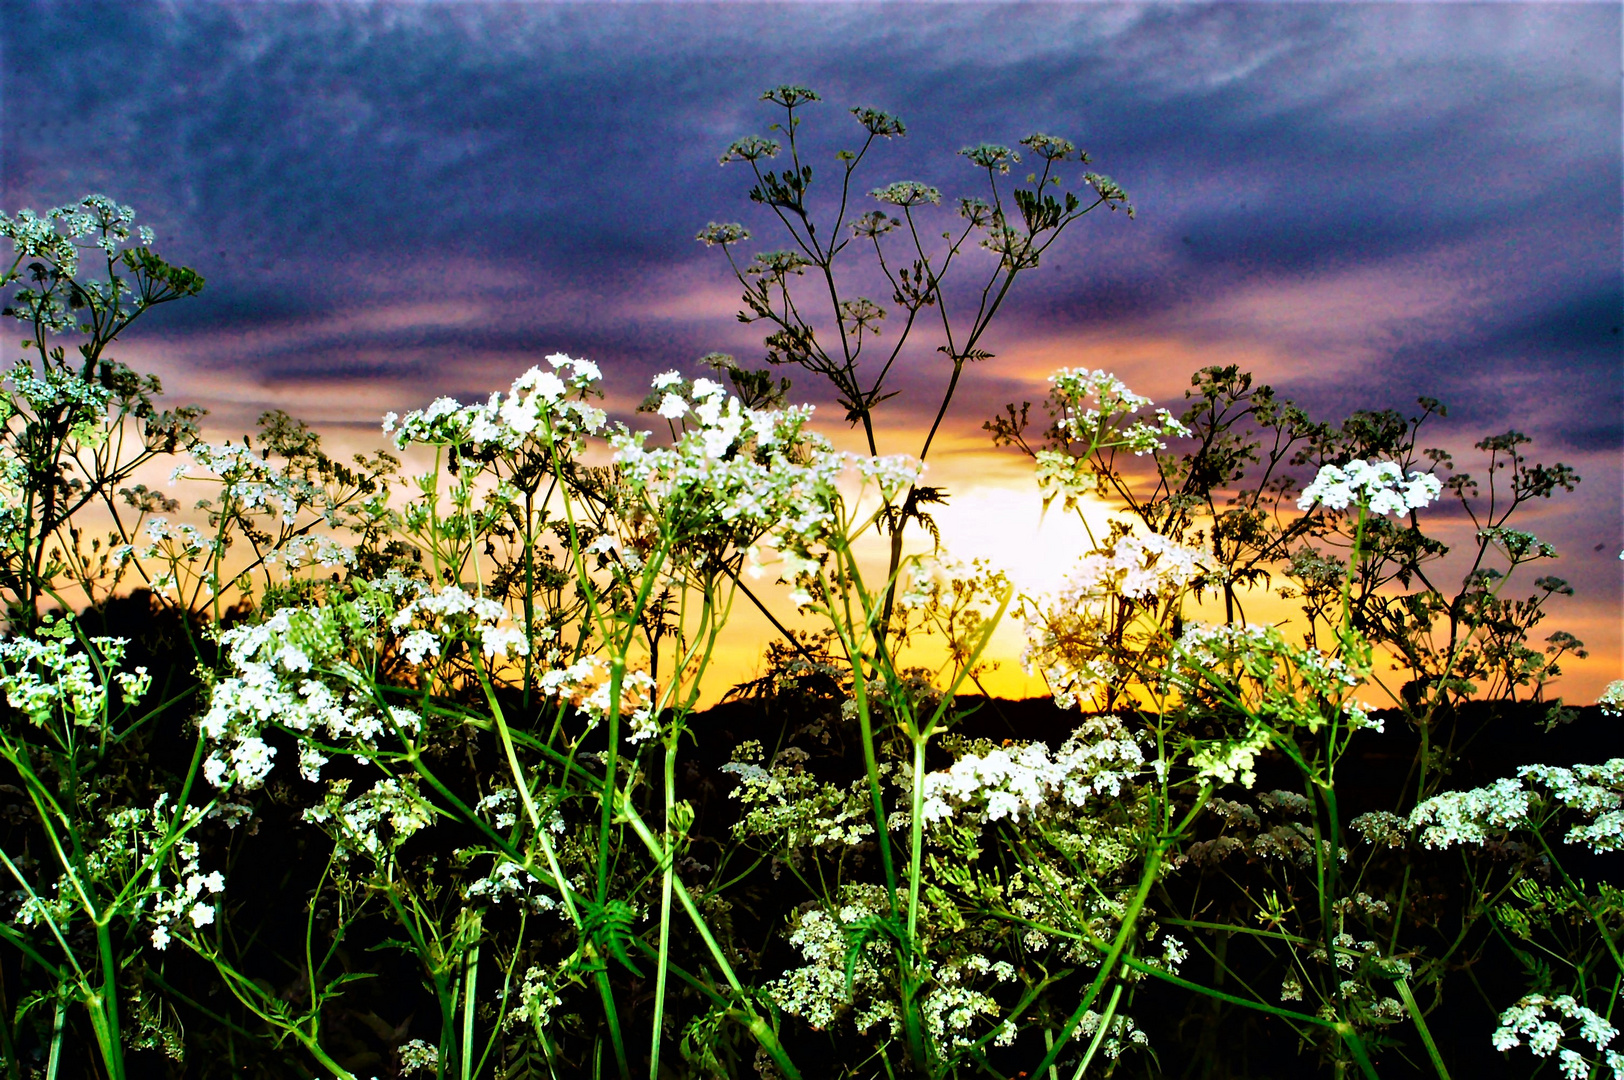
{"points": [[469, 700]]}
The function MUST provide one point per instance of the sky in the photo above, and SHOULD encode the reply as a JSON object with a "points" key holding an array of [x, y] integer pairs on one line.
{"points": [[1360, 203]]}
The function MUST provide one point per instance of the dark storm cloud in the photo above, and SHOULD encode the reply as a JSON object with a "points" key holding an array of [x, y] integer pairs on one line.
{"points": [[1561, 355], [543, 168]]}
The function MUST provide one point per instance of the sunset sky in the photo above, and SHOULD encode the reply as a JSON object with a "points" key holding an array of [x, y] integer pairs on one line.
{"points": [[1361, 203]]}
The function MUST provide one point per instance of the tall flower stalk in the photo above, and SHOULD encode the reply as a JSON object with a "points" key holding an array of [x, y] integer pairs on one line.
{"points": [[479, 708]]}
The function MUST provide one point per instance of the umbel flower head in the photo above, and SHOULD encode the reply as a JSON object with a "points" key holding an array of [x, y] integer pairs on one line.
{"points": [[1378, 486], [1544, 1022], [743, 476], [543, 402]]}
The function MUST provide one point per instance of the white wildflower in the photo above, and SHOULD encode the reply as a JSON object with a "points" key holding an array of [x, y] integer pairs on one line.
{"points": [[1100, 758], [1542, 1021], [1380, 486], [418, 1056]]}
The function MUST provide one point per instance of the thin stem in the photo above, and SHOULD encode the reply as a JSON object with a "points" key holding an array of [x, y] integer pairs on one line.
{"points": [[1099, 1032], [105, 1004], [667, 869], [763, 1032], [1108, 965], [469, 984], [1403, 986], [58, 1020]]}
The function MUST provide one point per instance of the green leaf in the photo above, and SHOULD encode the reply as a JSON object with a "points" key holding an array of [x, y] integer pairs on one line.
{"points": [[864, 931], [609, 928]]}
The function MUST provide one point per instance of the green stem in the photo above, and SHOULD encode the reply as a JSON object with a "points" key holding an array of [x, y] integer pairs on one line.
{"points": [[1233, 999], [523, 787], [469, 984], [270, 1009], [1356, 1046], [847, 632], [611, 766], [916, 841], [763, 1032], [667, 870], [1414, 1009], [105, 1005], [58, 1021], [612, 1017], [1108, 966], [1099, 1032], [909, 961]]}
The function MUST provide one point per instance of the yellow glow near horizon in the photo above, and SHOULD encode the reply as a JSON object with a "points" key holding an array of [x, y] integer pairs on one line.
{"points": [[996, 513]]}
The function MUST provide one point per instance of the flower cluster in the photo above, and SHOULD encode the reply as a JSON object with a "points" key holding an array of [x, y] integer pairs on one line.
{"points": [[54, 235], [1461, 817], [587, 687], [743, 477], [816, 991], [1612, 699], [140, 857], [254, 482], [907, 194], [190, 899], [1268, 829], [1543, 1022], [45, 677], [1092, 411], [418, 1056], [163, 876], [1595, 792], [1120, 1034], [297, 671], [501, 807], [1381, 827], [431, 619], [176, 545], [954, 1005], [789, 806], [60, 391], [1294, 684], [1139, 569], [958, 600], [543, 404], [14, 481], [1073, 387], [730, 449], [1216, 646], [1074, 636], [1060, 475], [303, 551], [509, 880], [375, 822], [1378, 486], [256, 494], [1231, 760], [1100, 758], [538, 997], [1517, 545]]}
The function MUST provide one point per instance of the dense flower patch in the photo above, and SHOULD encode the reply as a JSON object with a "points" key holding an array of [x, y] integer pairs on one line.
{"points": [[446, 728]]}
